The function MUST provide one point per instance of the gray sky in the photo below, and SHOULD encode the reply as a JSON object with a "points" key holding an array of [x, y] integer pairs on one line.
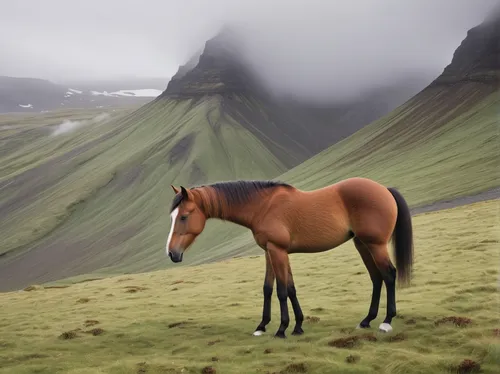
{"points": [[307, 44]]}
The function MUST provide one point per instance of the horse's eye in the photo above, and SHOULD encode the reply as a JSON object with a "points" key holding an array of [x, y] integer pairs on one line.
{"points": [[183, 218]]}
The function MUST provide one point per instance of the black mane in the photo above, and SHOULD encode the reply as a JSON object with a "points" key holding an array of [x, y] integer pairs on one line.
{"points": [[236, 192], [240, 192]]}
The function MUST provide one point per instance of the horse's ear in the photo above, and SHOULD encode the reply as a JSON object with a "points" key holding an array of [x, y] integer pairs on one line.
{"points": [[185, 193], [176, 190]]}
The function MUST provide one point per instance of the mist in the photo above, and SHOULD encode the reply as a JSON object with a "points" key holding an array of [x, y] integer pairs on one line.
{"points": [[310, 48], [69, 125]]}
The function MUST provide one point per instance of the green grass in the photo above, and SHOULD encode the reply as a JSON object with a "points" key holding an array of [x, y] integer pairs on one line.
{"points": [[217, 307]]}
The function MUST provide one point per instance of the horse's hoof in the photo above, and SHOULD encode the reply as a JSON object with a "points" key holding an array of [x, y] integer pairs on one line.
{"points": [[360, 326], [298, 331], [280, 335], [258, 333], [385, 327]]}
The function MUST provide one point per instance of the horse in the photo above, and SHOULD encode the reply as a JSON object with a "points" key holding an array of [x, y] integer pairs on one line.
{"points": [[285, 220]]}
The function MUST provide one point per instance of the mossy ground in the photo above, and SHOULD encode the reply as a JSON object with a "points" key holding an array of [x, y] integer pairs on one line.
{"points": [[200, 319]]}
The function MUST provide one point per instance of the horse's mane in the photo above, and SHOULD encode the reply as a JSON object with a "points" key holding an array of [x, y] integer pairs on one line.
{"points": [[234, 192]]}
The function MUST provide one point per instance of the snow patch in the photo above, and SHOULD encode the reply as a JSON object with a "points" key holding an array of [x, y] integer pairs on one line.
{"points": [[26, 106], [145, 92], [74, 91]]}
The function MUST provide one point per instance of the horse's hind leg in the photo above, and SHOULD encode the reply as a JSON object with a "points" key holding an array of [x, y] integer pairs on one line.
{"points": [[383, 262], [377, 280], [268, 292], [297, 311]]}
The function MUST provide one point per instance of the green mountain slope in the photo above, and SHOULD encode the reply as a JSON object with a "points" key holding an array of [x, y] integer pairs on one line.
{"points": [[95, 199], [117, 172]]}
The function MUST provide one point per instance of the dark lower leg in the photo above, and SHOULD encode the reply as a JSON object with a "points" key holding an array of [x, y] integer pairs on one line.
{"points": [[376, 278], [266, 310], [281, 290], [390, 284], [374, 305], [297, 311]]}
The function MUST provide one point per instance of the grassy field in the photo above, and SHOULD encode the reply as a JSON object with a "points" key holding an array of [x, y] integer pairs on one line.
{"points": [[185, 319], [200, 319]]}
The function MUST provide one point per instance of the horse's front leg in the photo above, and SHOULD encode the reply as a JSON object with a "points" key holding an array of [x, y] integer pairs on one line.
{"points": [[268, 292], [279, 262], [297, 310]]}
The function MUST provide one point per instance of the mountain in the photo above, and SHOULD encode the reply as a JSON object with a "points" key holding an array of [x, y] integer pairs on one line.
{"points": [[32, 95], [93, 199]]}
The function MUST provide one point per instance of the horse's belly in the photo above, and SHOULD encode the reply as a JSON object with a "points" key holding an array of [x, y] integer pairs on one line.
{"points": [[318, 243]]}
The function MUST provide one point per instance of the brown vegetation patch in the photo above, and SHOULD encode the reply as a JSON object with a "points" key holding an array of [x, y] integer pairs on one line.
{"points": [[69, 335], [133, 289], [468, 366], [123, 280], [62, 286], [312, 319], [89, 280], [177, 281], [31, 356], [83, 300], [177, 324], [411, 321], [320, 309], [352, 359], [234, 304], [457, 321], [214, 341], [489, 241], [96, 331], [90, 322], [496, 332], [142, 368], [215, 359], [399, 337], [33, 288], [299, 367], [351, 341], [268, 350], [208, 370]]}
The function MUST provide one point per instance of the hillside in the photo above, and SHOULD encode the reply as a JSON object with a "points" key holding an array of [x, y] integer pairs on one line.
{"points": [[93, 199], [30, 95]]}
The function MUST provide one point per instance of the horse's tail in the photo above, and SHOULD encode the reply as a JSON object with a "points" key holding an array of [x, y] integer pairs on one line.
{"points": [[402, 239]]}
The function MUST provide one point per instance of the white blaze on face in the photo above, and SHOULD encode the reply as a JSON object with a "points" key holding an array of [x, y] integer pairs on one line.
{"points": [[173, 216]]}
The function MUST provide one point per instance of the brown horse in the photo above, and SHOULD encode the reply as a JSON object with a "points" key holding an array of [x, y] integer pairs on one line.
{"points": [[285, 220]]}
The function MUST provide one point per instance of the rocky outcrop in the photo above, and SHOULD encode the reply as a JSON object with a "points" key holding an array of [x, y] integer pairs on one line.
{"points": [[218, 70], [478, 56]]}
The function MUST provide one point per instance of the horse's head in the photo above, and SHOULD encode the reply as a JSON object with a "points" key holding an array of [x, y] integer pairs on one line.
{"points": [[187, 222]]}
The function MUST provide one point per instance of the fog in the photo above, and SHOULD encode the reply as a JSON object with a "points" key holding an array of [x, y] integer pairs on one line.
{"points": [[315, 47], [69, 125]]}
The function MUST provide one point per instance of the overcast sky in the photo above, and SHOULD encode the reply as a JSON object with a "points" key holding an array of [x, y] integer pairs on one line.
{"points": [[307, 43]]}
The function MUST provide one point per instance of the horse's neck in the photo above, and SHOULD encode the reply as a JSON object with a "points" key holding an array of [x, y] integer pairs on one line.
{"points": [[242, 215]]}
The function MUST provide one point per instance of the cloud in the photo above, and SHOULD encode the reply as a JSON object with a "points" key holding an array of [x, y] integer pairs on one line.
{"points": [[68, 125], [313, 46]]}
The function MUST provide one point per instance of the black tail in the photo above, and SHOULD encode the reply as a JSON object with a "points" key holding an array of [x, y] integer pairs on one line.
{"points": [[403, 239]]}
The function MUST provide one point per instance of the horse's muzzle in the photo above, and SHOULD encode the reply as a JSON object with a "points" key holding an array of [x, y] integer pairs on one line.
{"points": [[175, 256]]}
